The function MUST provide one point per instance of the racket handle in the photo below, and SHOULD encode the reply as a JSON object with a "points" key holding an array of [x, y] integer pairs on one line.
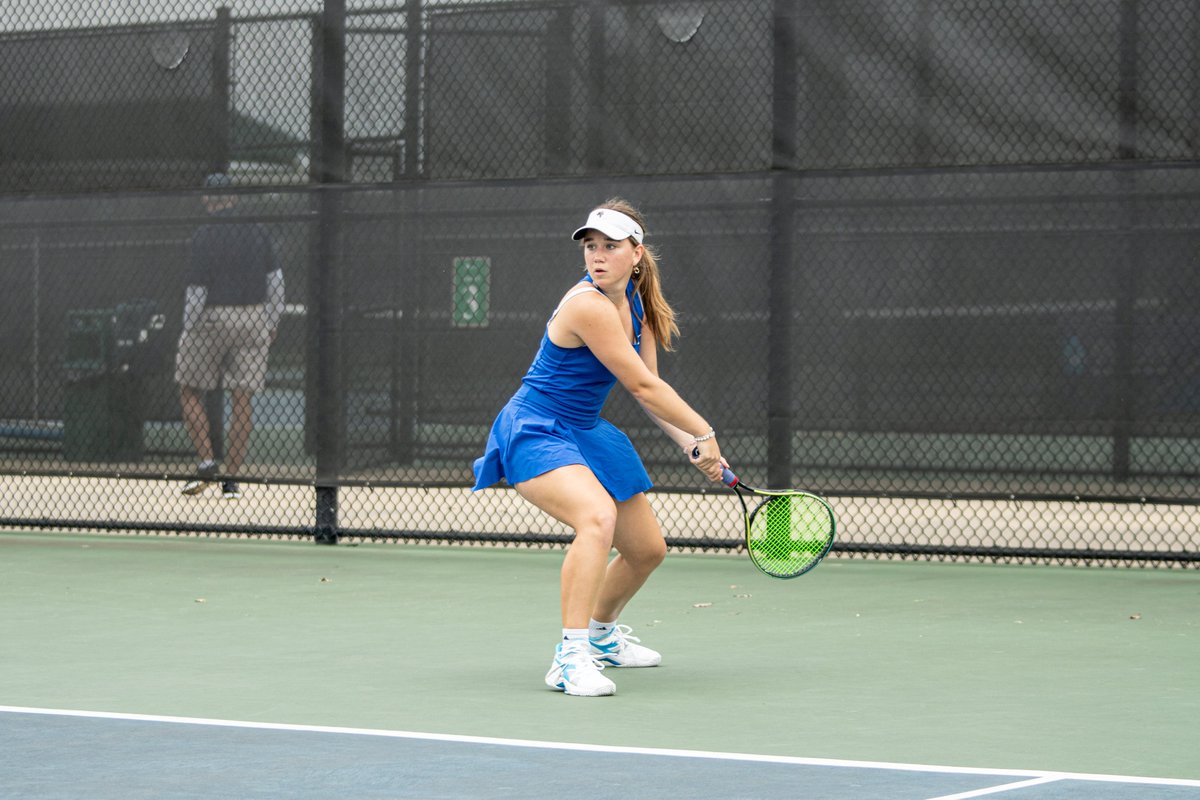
{"points": [[727, 476]]}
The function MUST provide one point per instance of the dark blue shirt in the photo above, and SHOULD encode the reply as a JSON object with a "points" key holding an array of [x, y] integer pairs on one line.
{"points": [[232, 260]]}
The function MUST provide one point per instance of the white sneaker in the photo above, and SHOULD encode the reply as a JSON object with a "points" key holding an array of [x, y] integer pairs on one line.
{"points": [[575, 671], [204, 478], [618, 649]]}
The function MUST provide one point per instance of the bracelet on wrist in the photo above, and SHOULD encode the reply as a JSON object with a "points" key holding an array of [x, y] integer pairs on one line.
{"points": [[698, 439]]}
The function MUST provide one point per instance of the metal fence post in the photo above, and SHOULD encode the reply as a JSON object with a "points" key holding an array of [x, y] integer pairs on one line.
{"points": [[413, 88], [782, 230], [214, 401], [325, 296], [222, 123], [401, 336], [1128, 266]]}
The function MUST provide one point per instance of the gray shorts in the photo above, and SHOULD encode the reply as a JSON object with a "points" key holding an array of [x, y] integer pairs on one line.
{"points": [[229, 342]]}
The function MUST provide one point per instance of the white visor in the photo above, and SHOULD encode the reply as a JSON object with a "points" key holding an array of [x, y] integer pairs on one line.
{"points": [[613, 224]]}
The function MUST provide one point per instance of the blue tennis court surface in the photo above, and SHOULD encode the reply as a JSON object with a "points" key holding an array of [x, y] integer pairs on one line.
{"points": [[52, 754]]}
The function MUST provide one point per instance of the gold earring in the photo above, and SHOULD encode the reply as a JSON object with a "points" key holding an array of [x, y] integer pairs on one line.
{"points": [[637, 270]]}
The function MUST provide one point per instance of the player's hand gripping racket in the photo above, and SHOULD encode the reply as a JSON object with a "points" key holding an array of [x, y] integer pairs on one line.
{"points": [[788, 533]]}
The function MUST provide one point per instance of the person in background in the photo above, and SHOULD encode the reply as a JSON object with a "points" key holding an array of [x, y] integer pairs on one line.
{"points": [[551, 444], [232, 307]]}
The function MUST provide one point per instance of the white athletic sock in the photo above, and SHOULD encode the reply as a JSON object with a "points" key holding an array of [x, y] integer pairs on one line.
{"points": [[598, 630], [210, 464], [574, 633]]}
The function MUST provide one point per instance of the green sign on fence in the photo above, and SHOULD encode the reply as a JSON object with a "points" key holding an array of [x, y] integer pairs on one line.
{"points": [[472, 289]]}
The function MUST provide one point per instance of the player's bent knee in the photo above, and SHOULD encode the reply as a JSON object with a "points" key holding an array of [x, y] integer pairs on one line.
{"points": [[645, 556], [650, 556], [598, 527], [660, 551]]}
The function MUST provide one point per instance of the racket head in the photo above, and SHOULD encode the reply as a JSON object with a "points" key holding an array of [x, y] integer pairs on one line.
{"points": [[789, 533]]}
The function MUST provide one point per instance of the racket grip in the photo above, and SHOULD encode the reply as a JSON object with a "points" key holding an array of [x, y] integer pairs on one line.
{"points": [[727, 476]]}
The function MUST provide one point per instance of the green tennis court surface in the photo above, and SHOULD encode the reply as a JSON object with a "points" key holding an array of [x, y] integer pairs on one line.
{"points": [[390, 671]]}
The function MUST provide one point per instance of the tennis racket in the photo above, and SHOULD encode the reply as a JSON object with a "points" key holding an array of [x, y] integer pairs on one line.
{"points": [[788, 533]]}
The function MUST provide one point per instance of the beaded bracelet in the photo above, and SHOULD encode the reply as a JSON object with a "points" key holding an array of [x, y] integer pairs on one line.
{"points": [[698, 439]]}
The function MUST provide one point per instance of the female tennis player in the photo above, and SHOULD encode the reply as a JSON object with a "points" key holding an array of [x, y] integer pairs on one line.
{"points": [[551, 444]]}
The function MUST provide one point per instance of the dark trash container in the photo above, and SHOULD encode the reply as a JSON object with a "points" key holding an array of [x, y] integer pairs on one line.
{"points": [[109, 353]]}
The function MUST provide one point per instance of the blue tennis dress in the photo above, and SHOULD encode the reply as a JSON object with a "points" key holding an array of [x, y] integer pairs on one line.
{"points": [[554, 420]]}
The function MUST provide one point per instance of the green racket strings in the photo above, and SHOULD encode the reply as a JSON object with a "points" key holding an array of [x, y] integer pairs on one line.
{"points": [[788, 533]]}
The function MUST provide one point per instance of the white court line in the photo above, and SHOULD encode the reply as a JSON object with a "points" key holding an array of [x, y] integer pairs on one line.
{"points": [[1006, 787], [1036, 776]]}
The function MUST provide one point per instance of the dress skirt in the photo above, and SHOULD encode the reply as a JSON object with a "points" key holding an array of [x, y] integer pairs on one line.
{"points": [[528, 439]]}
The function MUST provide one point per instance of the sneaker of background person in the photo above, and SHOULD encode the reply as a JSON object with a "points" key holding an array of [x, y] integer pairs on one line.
{"points": [[619, 649], [203, 479], [230, 490], [576, 672]]}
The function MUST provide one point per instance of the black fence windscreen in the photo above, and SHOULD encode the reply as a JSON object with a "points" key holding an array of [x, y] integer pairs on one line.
{"points": [[936, 261]]}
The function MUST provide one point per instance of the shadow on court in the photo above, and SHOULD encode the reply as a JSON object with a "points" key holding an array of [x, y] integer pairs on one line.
{"points": [[1004, 676]]}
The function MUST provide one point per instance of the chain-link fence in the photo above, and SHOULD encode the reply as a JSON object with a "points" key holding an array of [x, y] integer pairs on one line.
{"points": [[936, 260]]}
